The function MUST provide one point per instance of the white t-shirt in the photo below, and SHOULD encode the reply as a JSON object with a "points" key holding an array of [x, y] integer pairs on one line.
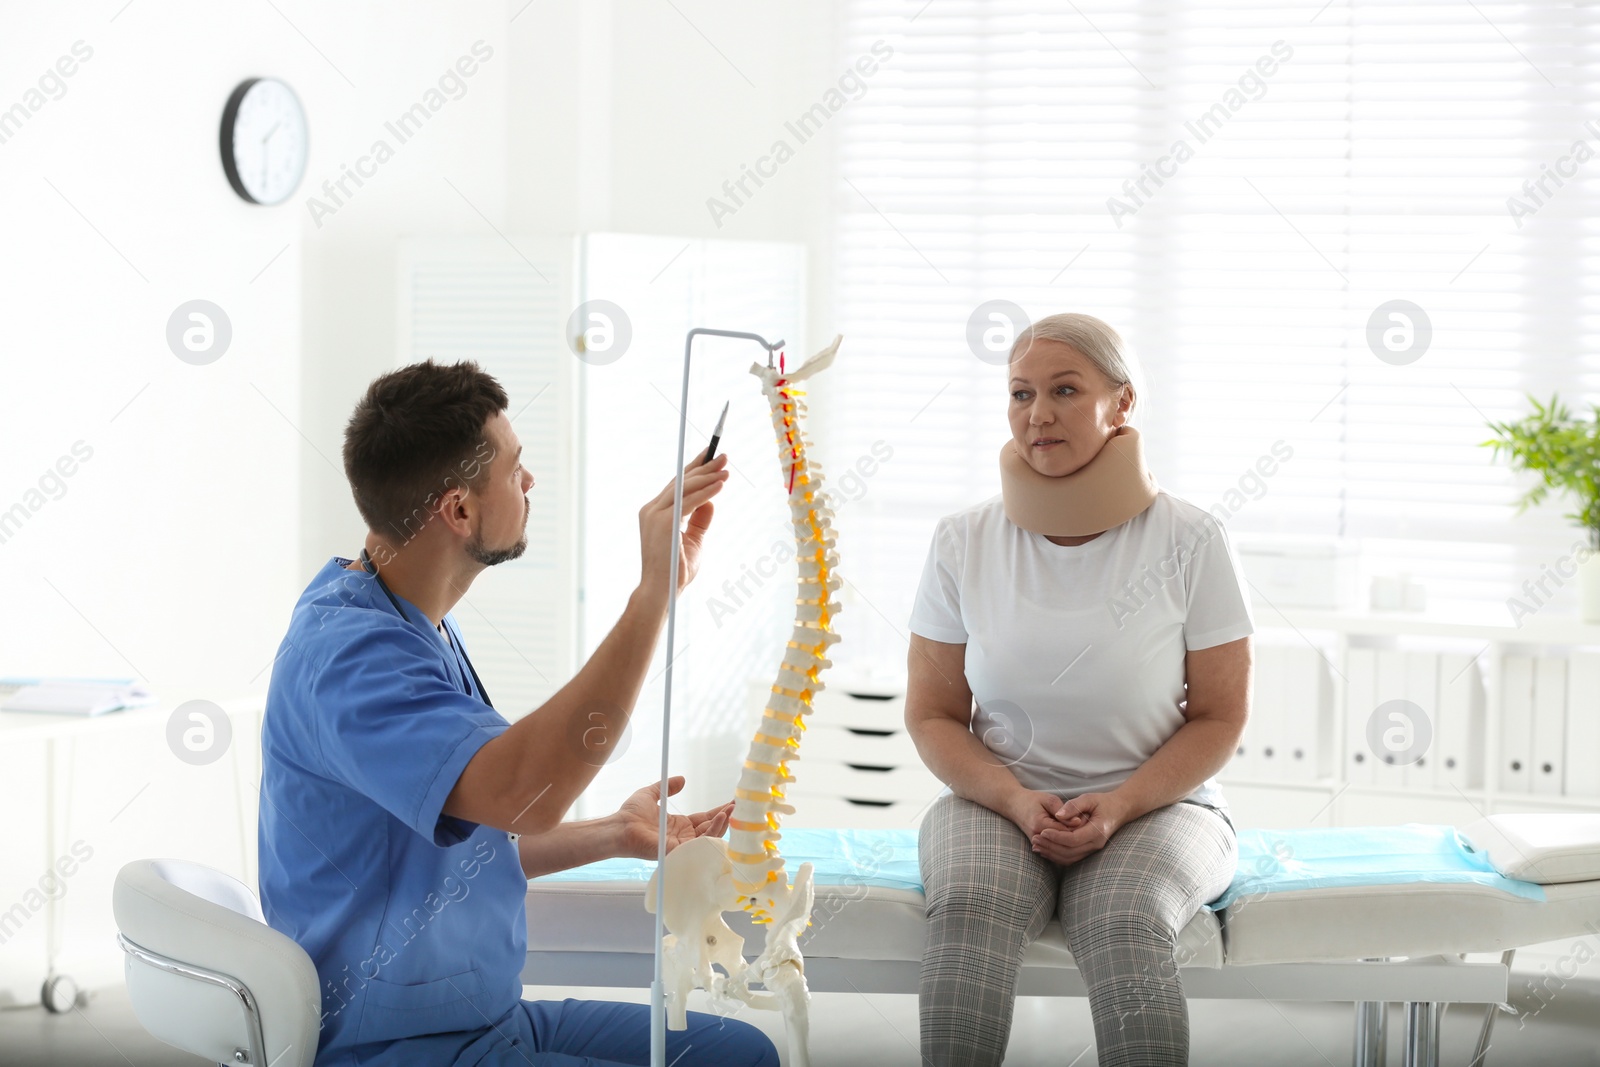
{"points": [[1075, 654]]}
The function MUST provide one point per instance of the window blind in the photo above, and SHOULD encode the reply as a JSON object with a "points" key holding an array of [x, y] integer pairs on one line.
{"points": [[1241, 190]]}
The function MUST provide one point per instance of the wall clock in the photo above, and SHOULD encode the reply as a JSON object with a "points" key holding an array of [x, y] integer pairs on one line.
{"points": [[264, 141]]}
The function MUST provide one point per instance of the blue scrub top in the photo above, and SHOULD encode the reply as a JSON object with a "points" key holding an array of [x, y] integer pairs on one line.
{"points": [[414, 919]]}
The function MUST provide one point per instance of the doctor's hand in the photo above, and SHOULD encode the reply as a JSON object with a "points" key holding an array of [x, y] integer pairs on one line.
{"points": [[701, 482], [640, 815], [1083, 826]]}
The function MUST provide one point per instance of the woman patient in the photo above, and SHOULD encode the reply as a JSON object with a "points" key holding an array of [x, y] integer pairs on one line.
{"points": [[1102, 627]]}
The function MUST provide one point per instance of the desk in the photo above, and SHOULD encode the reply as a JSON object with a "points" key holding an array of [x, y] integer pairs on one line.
{"points": [[59, 737]]}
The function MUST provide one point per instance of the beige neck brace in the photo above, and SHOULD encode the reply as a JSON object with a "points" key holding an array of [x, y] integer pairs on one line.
{"points": [[1107, 491]]}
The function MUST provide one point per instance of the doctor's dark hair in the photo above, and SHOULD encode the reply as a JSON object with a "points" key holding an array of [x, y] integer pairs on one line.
{"points": [[416, 434]]}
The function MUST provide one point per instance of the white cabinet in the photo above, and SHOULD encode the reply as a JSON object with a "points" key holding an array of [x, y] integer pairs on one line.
{"points": [[1500, 717]]}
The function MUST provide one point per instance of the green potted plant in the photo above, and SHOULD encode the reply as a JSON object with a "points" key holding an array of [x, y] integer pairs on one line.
{"points": [[1566, 452]]}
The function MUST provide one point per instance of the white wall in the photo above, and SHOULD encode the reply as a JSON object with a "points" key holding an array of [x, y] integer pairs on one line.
{"points": [[176, 551], [212, 493], [686, 120], [117, 211], [437, 182]]}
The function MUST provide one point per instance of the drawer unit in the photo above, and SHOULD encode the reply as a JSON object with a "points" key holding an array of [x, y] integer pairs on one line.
{"points": [[862, 781], [831, 813], [857, 765], [855, 744], [877, 711]]}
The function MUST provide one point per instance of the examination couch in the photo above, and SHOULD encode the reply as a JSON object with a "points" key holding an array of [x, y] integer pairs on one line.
{"points": [[1370, 915]]}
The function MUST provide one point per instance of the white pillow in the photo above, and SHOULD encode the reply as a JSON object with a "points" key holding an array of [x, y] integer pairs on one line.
{"points": [[1542, 847]]}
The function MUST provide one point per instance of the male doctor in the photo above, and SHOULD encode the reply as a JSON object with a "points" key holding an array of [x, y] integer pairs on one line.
{"points": [[401, 815]]}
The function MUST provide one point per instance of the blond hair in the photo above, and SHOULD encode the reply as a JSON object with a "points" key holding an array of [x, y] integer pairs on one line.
{"points": [[1098, 342]]}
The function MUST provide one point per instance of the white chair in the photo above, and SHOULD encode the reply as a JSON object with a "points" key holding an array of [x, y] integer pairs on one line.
{"points": [[206, 973]]}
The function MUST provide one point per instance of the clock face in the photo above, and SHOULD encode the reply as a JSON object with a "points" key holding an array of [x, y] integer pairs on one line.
{"points": [[264, 142]]}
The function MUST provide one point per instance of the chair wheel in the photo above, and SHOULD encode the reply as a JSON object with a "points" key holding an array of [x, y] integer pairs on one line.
{"points": [[59, 994]]}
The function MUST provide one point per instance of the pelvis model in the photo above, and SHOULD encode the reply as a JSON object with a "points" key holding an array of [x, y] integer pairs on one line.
{"points": [[708, 876]]}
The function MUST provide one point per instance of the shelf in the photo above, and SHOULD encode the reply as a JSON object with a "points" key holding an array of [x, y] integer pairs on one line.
{"points": [[1428, 792], [1563, 630], [1318, 785], [1476, 795], [1541, 800]]}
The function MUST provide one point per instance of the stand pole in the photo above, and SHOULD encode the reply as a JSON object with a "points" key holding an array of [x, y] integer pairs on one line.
{"points": [[658, 1002]]}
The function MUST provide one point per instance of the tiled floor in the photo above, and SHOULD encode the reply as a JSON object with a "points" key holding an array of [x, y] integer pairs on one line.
{"points": [[881, 1031]]}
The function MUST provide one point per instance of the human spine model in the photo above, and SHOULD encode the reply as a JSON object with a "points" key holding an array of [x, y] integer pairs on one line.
{"points": [[705, 876]]}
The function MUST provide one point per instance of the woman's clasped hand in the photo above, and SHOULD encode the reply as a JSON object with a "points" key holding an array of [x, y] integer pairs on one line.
{"points": [[1065, 833]]}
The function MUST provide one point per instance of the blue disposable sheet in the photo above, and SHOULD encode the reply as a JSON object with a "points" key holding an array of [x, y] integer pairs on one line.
{"points": [[885, 858], [1270, 861], [1280, 861]]}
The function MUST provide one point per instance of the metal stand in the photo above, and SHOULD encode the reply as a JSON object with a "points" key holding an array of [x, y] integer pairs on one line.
{"points": [[1372, 1033], [1420, 1043], [1489, 1012], [1422, 1033], [658, 1002]]}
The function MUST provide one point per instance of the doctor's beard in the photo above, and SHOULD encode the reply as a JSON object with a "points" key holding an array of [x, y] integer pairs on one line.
{"points": [[494, 557]]}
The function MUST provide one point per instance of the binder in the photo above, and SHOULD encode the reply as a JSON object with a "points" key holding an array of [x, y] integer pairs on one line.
{"points": [[1244, 765], [1326, 752], [1268, 719], [1516, 724], [1549, 724], [1422, 689], [1582, 748], [1304, 714], [1392, 673], [1458, 748], [1361, 669]]}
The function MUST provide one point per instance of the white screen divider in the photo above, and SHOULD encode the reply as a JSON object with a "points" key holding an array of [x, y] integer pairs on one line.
{"points": [[506, 306], [599, 432]]}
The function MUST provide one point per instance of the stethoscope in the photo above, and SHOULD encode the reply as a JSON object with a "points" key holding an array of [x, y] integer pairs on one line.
{"points": [[372, 569]]}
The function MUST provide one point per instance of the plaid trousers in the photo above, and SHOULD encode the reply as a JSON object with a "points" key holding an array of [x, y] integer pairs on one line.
{"points": [[989, 896]]}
